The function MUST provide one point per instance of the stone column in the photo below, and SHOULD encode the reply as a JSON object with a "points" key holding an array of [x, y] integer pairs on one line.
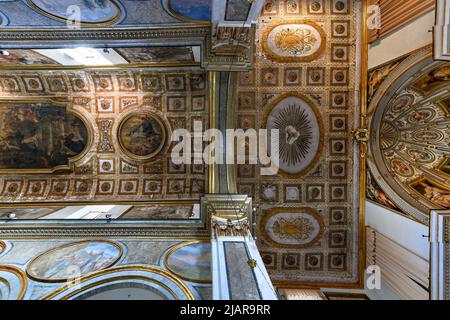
{"points": [[238, 271]]}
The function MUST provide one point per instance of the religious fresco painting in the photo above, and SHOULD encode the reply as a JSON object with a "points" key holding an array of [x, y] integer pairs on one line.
{"points": [[27, 213], [75, 259], [433, 80], [199, 10], [190, 261], [119, 121], [157, 54], [439, 196], [158, 212], [91, 11], [24, 57], [142, 135], [376, 194], [60, 269], [39, 136]]}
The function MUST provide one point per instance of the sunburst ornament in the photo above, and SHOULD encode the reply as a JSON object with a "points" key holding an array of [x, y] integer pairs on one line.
{"points": [[388, 136], [295, 134], [299, 128]]}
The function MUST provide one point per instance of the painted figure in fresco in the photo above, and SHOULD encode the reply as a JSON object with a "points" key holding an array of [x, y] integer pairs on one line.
{"points": [[401, 168], [378, 77], [93, 11], [146, 133], [421, 156], [39, 137], [157, 54], [85, 257], [434, 79], [74, 142], [436, 195], [24, 57], [420, 116], [375, 193], [141, 135]]}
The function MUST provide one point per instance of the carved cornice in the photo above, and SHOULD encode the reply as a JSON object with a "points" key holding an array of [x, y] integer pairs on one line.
{"points": [[79, 231], [32, 37], [229, 228]]}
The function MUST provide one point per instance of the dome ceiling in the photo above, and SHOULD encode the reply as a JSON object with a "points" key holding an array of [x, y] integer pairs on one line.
{"points": [[410, 135]]}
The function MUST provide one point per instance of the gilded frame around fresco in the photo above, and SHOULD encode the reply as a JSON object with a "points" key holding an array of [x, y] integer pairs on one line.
{"points": [[163, 140], [89, 24], [57, 103], [130, 268], [175, 248], [34, 277], [20, 275]]}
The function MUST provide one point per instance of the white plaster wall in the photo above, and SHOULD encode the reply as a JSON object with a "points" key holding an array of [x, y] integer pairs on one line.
{"points": [[411, 37], [404, 231]]}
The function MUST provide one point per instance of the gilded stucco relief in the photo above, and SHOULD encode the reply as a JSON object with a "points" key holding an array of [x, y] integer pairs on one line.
{"points": [[304, 81], [116, 106]]}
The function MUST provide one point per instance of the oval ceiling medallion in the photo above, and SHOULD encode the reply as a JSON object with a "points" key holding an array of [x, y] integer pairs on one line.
{"points": [[294, 42], [191, 10], [92, 12], [142, 135], [13, 283], [190, 261], [74, 260], [300, 133], [292, 228]]}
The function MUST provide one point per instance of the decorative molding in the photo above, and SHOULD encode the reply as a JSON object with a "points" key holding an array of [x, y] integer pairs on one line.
{"points": [[440, 255], [442, 31]]}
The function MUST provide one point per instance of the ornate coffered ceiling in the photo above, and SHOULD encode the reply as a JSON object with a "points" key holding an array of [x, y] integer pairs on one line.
{"points": [[90, 133], [304, 83]]}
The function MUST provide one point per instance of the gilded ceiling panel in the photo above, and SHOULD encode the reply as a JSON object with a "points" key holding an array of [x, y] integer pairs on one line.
{"points": [[304, 83], [98, 159]]}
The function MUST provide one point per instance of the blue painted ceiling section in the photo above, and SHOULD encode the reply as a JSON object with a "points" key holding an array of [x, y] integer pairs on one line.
{"points": [[192, 9], [133, 13]]}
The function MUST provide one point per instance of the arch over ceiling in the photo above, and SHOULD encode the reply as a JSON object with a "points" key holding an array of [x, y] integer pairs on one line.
{"points": [[409, 124], [158, 283]]}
